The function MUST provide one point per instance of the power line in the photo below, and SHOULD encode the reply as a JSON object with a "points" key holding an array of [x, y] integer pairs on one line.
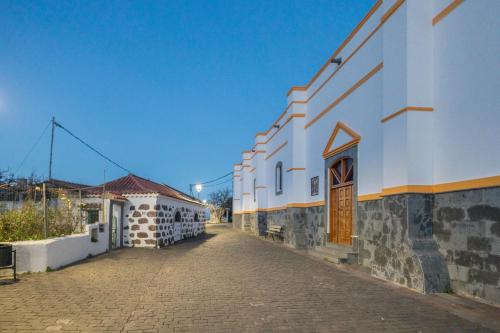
{"points": [[90, 147], [216, 179], [32, 148], [221, 183]]}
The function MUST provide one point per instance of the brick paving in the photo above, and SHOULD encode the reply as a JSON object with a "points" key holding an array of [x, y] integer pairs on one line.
{"points": [[226, 281]]}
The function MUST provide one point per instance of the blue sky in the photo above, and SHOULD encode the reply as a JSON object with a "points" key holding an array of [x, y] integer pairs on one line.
{"points": [[173, 90]]}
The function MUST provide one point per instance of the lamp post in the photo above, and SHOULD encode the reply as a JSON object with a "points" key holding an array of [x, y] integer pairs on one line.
{"points": [[198, 188]]}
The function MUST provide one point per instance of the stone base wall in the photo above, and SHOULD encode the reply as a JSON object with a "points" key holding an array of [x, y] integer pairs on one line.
{"points": [[303, 227], [467, 230], [237, 221], [395, 241]]}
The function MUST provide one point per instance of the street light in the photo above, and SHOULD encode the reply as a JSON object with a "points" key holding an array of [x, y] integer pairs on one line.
{"points": [[198, 188]]}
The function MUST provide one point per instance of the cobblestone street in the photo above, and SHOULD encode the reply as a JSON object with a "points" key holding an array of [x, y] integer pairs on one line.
{"points": [[226, 281]]}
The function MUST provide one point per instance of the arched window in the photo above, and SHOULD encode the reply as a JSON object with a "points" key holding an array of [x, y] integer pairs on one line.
{"points": [[254, 189], [196, 218], [177, 217], [279, 177], [342, 172]]}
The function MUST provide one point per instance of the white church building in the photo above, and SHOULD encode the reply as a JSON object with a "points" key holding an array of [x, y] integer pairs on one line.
{"points": [[389, 157]]}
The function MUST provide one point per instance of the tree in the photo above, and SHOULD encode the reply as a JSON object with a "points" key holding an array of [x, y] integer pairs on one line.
{"points": [[219, 201]]}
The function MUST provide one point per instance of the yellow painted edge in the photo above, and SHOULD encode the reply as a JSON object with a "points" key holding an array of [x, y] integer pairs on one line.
{"points": [[342, 148], [406, 109], [277, 150], [345, 94], [340, 48], [295, 169], [290, 205], [462, 185], [368, 197], [391, 10], [442, 14]]}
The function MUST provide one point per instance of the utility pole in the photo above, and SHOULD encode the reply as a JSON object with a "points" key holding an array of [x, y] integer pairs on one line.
{"points": [[51, 147], [45, 220]]}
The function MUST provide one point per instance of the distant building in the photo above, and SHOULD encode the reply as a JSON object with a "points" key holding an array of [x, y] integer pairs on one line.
{"points": [[389, 155], [143, 213]]}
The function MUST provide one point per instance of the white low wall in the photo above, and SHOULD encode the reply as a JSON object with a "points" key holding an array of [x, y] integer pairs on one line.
{"points": [[37, 256]]}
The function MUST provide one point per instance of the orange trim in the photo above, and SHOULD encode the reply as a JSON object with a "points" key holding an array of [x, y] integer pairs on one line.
{"points": [[368, 197], [345, 94], [246, 151], [306, 204], [277, 150], [462, 185], [341, 47], [290, 205], [298, 88], [327, 152], [295, 169], [245, 166], [260, 133], [253, 169], [468, 184], [235, 176], [451, 7], [407, 189], [391, 11], [236, 164], [406, 109]]}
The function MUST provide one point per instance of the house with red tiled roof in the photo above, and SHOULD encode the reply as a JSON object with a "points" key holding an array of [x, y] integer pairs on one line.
{"points": [[143, 213]]}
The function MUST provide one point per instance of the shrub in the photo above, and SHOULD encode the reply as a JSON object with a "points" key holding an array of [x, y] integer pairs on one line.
{"points": [[27, 223]]}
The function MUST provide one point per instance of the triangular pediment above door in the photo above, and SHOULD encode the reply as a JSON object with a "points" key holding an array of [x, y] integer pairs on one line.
{"points": [[341, 139]]}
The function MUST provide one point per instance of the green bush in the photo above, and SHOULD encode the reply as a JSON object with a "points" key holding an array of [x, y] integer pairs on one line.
{"points": [[27, 223]]}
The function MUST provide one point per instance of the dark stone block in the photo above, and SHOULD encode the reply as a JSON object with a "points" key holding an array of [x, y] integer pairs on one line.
{"points": [[136, 214], [449, 214], [484, 212], [142, 235], [157, 207], [143, 220], [150, 241], [440, 232], [136, 227], [132, 208], [495, 229], [152, 227], [151, 213], [478, 244], [136, 241], [144, 207]]}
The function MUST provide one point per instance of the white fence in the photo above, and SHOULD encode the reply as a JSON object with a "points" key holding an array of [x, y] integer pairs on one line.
{"points": [[40, 255]]}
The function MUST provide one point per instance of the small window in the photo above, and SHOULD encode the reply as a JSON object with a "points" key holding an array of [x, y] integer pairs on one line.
{"points": [[254, 189], [279, 178], [196, 218], [92, 216]]}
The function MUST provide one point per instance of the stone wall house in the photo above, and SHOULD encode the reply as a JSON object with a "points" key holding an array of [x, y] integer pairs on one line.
{"points": [[389, 156], [143, 213]]}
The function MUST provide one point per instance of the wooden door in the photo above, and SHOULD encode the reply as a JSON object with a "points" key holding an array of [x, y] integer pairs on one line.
{"points": [[341, 185]]}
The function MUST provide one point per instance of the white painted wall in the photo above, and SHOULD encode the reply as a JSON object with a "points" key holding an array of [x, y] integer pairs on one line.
{"points": [[38, 255], [452, 66]]}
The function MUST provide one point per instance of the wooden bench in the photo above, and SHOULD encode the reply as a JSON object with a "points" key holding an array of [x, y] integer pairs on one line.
{"points": [[275, 230]]}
